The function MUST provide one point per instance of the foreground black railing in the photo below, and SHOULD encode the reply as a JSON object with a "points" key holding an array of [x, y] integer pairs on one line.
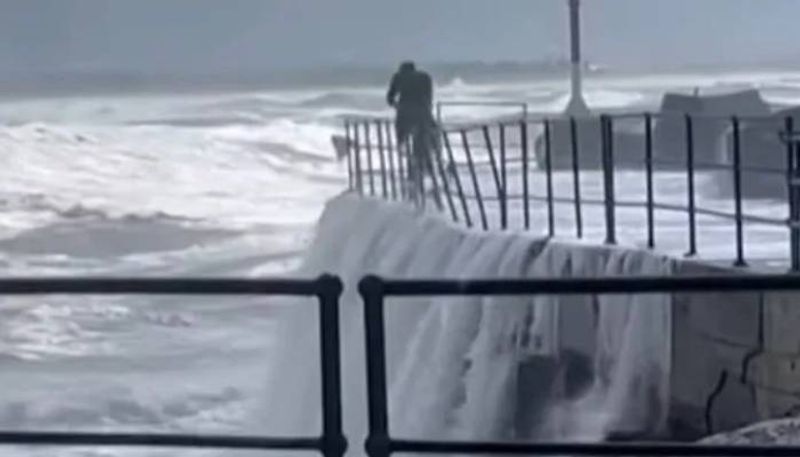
{"points": [[326, 289], [527, 173], [374, 290]]}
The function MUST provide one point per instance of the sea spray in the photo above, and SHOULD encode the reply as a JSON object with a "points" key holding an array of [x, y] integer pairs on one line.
{"points": [[631, 364]]}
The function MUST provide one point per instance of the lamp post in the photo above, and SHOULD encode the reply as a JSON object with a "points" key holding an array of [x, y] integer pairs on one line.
{"points": [[577, 105]]}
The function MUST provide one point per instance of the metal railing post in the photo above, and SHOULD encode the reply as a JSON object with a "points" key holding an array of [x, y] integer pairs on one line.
{"points": [[402, 171], [526, 204], [391, 151], [501, 191], [607, 150], [690, 182], [429, 165], [475, 184], [334, 443], [737, 192], [416, 170], [446, 183], [382, 161], [349, 149], [378, 441], [793, 181], [370, 168], [576, 176], [357, 156], [648, 161], [503, 177], [457, 179], [548, 165], [487, 139], [412, 168]]}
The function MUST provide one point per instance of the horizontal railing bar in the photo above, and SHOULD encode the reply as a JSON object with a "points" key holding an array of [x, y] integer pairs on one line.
{"points": [[744, 218], [157, 440], [482, 103], [763, 170], [477, 126], [754, 169], [509, 148], [701, 165], [364, 118], [374, 145], [673, 164], [164, 286], [627, 116], [481, 147], [638, 204], [599, 449], [538, 118], [484, 163], [572, 286]]}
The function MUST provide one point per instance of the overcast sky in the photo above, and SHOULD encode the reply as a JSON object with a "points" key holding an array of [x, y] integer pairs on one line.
{"points": [[210, 35]]}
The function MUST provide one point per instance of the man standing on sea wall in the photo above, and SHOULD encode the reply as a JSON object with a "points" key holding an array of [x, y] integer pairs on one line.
{"points": [[411, 94]]}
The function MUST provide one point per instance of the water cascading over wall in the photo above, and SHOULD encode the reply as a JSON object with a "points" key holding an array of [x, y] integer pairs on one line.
{"points": [[457, 365]]}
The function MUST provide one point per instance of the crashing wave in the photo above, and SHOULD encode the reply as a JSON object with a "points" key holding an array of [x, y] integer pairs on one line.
{"points": [[84, 233], [454, 363], [44, 133]]}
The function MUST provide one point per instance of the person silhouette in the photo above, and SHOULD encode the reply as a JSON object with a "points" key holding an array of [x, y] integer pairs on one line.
{"points": [[411, 94]]}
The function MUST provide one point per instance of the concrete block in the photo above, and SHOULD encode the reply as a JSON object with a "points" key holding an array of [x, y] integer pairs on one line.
{"points": [[705, 383], [782, 322], [776, 378], [712, 336], [727, 318]]}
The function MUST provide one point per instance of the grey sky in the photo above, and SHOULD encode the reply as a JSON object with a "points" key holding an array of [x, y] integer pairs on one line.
{"points": [[211, 35]]}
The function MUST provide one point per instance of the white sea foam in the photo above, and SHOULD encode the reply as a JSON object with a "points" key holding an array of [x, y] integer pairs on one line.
{"points": [[231, 184]]}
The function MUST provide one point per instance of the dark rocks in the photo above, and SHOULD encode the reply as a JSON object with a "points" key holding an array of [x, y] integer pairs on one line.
{"points": [[780, 431]]}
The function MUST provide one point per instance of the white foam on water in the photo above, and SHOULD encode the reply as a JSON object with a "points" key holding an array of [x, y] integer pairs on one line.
{"points": [[134, 185], [86, 193]]}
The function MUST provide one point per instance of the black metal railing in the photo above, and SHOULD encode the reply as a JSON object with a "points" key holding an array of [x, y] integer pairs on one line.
{"points": [[374, 290], [327, 289], [526, 173]]}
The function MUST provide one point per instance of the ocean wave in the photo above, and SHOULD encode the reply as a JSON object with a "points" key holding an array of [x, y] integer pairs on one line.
{"points": [[225, 176], [40, 202], [44, 133], [596, 99], [291, 135], [79, 211], [263, 105], [90, 233], [123, 408], [453, 366], [360, 100], [201, 121], [455, 84]]}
